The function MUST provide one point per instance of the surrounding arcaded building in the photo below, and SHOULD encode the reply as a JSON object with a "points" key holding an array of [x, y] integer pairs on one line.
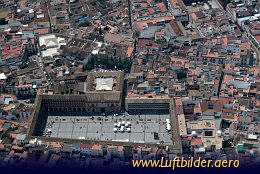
{"points": [[139, 104]]}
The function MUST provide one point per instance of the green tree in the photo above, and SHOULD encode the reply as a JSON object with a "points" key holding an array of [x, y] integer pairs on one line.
{"points": [[85, 23], [102, 2], [104, 60]]}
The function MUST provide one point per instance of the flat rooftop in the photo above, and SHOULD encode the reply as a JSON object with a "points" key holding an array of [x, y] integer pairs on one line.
{"points": [[102, 128]]}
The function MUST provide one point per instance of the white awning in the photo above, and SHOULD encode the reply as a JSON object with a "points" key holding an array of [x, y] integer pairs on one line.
{"points": [[2, 76]]}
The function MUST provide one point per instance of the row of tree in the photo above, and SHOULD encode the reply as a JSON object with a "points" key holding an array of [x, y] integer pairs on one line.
{"points": [[105, 62]]}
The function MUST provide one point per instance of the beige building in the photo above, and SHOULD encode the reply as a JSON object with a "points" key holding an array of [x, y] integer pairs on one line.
{"points": [[207, 130]]}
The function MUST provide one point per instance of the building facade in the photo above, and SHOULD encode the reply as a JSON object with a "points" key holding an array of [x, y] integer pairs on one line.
{"points": [[147, 105]]}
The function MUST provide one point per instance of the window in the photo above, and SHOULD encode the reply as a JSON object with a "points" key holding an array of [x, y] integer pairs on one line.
{"points": [[210, 106]]}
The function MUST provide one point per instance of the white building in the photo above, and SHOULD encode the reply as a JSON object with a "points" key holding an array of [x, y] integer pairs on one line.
{"points": [[50, 45]]}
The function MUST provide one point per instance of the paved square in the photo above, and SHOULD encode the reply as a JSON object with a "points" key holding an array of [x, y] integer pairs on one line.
{"points": [[143, 128]]}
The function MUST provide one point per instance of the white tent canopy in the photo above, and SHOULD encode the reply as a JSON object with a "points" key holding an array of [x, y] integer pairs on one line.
{"points": [[104, 84]]}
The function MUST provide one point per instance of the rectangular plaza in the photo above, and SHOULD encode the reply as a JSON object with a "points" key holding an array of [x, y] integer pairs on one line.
{"points": [[143, 128]]}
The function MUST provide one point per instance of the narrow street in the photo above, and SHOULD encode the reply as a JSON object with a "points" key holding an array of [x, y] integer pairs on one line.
{"points": [[49, 15], [177, 144]]}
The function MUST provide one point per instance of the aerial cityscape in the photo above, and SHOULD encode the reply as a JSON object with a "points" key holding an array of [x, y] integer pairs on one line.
{"points": [[90, 83]]}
